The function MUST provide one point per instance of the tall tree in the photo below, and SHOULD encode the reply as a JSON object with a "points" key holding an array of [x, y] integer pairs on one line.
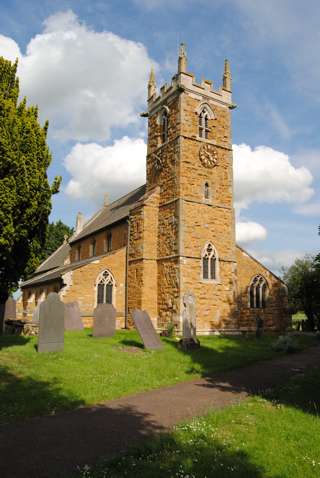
{"points": [[303, 281], [25, 193], [56, 232]]}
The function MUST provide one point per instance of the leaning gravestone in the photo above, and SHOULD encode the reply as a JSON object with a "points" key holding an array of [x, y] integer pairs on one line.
{"points": [[10, 309], [189, 323], [146, 330], [51, 324], [104, 322], [72, 316]]}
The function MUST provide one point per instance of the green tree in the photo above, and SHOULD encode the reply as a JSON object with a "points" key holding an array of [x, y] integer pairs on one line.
{"points": [[56, 232], [25, 193], [303, 282]]}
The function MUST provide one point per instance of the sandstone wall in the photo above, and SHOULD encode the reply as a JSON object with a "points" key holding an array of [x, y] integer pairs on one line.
{"points": [[119, 239], [275, 315]]}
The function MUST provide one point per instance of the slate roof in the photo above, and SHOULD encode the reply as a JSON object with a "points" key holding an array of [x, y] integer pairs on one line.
{"points": [[53, 274], [56, 259], [116, 211]]}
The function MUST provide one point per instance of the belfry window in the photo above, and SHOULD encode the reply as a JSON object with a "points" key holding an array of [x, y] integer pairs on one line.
{"points": [[258, 290], [164, 126], [203, 123], [105, 288], [206, 191], [209, 263]]}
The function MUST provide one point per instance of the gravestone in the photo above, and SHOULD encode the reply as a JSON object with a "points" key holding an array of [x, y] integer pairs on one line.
{"points": [[10, 309], [104, 322], [35, 315], [51, 324], [146, 330], [189, 323], [72, 316], [259, 327]]}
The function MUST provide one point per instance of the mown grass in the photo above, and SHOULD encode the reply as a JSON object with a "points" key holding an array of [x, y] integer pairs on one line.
{"points": [[277, 436], [91, 370]]}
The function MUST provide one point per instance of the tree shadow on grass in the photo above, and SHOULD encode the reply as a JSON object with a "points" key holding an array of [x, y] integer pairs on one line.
{"points": [[22, 397], [13, 340], [132, 343], [170, 456]]}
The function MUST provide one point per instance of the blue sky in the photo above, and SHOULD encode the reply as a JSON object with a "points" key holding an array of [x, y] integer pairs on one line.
{"points": [[86, 65]]}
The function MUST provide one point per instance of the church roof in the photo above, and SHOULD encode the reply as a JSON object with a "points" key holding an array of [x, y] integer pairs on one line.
{"points": [[56, 259], [107, 215], [52, 274]]}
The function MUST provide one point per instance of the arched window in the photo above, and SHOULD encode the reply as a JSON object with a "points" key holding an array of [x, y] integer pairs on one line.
{"points": [[164, 126], [210, 263], [206, 191], [258, 290], [105, 288], [203, 123]]}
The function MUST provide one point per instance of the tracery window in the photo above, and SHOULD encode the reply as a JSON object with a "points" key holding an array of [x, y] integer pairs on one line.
{"points": [[164, 126], [258, 290], [210, 263], [105, 288], [204, 123]]}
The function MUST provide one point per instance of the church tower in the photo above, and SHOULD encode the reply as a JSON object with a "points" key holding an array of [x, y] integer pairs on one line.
{"points": [[189, 164]]}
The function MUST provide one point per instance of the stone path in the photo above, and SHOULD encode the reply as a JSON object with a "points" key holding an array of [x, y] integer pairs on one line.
{"points": [[54, 446]]}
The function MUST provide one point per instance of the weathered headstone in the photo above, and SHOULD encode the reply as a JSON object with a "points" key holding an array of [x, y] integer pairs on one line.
{"points": [[72, 316], [10, 309], [51, 324], [189, 323], [104, 322], [35, 315], [146, 330], [259, 327]]}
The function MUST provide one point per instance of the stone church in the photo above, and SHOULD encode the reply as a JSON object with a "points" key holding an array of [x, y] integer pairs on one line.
{"points": [[174, 236]]}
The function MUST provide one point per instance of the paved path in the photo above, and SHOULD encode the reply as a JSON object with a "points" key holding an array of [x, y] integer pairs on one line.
{"points": [[53, 446]]}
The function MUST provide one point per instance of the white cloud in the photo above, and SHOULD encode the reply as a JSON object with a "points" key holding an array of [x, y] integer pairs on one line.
{"points": [[249, 231], [266, 175], [115, 169], [9, 48], [85, 82]]}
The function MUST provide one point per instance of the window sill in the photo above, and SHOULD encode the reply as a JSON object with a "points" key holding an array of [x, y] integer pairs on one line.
{"points": [[210, 281]]}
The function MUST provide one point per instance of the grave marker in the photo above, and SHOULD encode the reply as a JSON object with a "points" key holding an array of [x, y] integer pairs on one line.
{"points": [[189, 323], [72, 316], [146, 330], [51, 324], [10, 309], [104, 322]]}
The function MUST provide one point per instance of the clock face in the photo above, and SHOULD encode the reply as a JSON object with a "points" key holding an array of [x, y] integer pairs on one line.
{"points": [[157, 161], [208, 156]]}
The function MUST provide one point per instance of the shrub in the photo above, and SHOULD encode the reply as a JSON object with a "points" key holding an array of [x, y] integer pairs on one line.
{"points": [[285, 344]]}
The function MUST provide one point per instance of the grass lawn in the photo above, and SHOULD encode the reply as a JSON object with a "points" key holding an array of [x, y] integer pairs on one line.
{"points": [[272, 437], [92, 370]]}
